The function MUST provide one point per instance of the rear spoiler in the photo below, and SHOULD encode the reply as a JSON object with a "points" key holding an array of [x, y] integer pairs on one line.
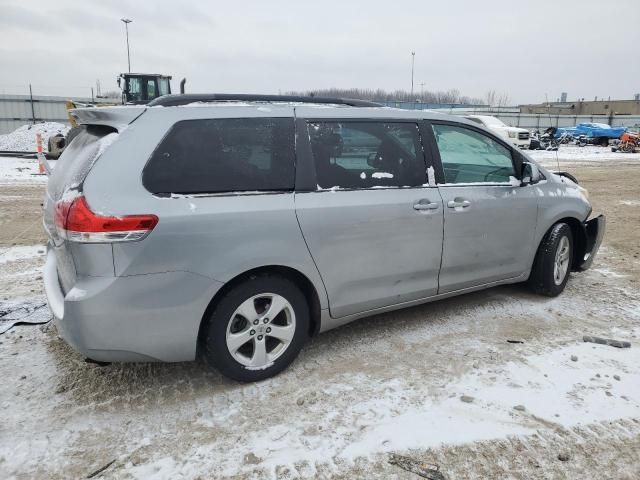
{"points": [[116, 117]]}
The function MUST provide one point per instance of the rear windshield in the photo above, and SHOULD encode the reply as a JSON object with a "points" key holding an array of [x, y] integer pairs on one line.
{"points": [[78, 158], [223, 155]]}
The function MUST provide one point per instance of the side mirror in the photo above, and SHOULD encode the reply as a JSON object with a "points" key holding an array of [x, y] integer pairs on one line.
{"points": [[530, 174]]}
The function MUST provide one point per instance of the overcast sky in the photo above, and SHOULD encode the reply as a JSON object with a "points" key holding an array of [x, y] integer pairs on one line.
{"points": [[524, 48]]}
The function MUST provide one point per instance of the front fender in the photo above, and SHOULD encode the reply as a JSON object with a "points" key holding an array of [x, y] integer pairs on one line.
{"points": [[594, 230]]}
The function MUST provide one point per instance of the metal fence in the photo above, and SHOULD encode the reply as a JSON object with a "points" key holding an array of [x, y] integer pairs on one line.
{"points": [[540, 121], [512, 117], [18, 110], [426, 106]]}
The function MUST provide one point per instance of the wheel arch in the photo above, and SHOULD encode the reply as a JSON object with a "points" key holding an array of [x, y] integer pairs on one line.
{"points": [[301, 280], [579, 235]]}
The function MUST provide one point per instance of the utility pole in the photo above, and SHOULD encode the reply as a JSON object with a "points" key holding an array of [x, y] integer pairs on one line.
{"points": [[33, 112], [413, 58], [126, 22]]}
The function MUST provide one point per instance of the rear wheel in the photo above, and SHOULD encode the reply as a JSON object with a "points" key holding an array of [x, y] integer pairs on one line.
{"points": [[552, 264], [257, 328]]}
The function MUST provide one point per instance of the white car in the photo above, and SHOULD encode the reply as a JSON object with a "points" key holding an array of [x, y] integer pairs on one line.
{"points": [[520, 137]]}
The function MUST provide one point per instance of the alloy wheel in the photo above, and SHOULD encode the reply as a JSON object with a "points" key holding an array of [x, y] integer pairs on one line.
{"points": [[260, 330], [561, 263]]}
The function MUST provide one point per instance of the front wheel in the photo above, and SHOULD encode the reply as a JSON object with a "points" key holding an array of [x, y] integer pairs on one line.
{"points": [[552, 264], [257, 328]]}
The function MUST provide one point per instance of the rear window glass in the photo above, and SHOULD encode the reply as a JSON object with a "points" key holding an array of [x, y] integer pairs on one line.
{"points": [[87, 144], [223, 155]]}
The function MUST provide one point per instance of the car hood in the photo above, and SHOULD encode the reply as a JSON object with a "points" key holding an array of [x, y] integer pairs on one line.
{"points": [[515, 129], [507, 128]]}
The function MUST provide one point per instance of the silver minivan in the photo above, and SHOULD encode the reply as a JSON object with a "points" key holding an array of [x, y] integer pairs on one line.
{"points": [[235, 230]]}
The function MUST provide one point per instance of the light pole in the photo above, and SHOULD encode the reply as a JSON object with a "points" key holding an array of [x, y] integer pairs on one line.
{"points": [[413, 58], [126, 22]]}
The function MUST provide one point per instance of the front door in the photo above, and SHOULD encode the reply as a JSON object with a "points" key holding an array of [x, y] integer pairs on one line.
{"points": [[373, 227], [489, 219]]}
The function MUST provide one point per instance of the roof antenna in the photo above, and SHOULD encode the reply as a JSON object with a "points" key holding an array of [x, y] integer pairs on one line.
{"points": [[546, 98]]}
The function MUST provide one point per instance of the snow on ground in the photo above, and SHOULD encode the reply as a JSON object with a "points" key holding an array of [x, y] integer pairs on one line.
{"points": [[21, 271], [23, 139], [574, 153], [393, 383], [21, 170], [548, 385], [373, 415], [14, 254]]}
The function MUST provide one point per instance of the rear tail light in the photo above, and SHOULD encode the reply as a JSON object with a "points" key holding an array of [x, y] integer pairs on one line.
{"points": [[76, 222]]}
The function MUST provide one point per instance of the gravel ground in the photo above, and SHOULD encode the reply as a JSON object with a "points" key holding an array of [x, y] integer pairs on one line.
{"points": [[391, 383]]}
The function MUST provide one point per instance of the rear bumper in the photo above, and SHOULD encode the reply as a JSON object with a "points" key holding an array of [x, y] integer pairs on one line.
{"points": [[52, 289], [594, 229], [154, 317]]}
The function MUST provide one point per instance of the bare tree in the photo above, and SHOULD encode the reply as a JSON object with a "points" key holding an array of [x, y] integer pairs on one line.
{"points": [[451, 96], [503, 99], [111, 94], [495, 99]]}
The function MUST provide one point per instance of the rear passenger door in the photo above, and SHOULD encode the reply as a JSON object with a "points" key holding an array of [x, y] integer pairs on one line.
{"points": [[489, 219], [372, 223]]}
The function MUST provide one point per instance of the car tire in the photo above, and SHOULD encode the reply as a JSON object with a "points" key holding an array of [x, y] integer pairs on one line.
{"points": [[552, 265], [246, 351]]}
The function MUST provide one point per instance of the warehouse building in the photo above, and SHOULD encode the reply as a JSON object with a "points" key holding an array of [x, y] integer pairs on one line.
{"points": [[581, 107]]}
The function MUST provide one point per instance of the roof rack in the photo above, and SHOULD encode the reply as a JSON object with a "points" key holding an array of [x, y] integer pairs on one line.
{"points": [[186, 98]]}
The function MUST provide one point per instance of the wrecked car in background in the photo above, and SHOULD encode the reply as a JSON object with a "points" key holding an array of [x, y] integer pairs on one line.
{"points": [[520, 137], [596, 133]]}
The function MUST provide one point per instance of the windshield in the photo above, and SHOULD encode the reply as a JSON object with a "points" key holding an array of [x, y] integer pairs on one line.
{"points": [[134, 89]]}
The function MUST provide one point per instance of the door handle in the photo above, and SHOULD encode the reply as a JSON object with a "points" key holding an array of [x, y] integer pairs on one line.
{"points": [[457, 203], [425, 205]]}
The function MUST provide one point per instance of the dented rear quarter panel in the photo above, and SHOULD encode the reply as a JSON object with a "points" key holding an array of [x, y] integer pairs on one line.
{"points": [[196, 233]]}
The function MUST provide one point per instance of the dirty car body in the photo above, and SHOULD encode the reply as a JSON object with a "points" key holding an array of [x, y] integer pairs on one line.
{"points": [[356, 210]]}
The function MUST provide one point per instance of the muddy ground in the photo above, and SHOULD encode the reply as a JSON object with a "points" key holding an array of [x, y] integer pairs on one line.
{"points": [[391, 383]]}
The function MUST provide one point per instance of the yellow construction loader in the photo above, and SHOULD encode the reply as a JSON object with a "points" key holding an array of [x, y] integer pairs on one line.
{"points": [[136, 88]]}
